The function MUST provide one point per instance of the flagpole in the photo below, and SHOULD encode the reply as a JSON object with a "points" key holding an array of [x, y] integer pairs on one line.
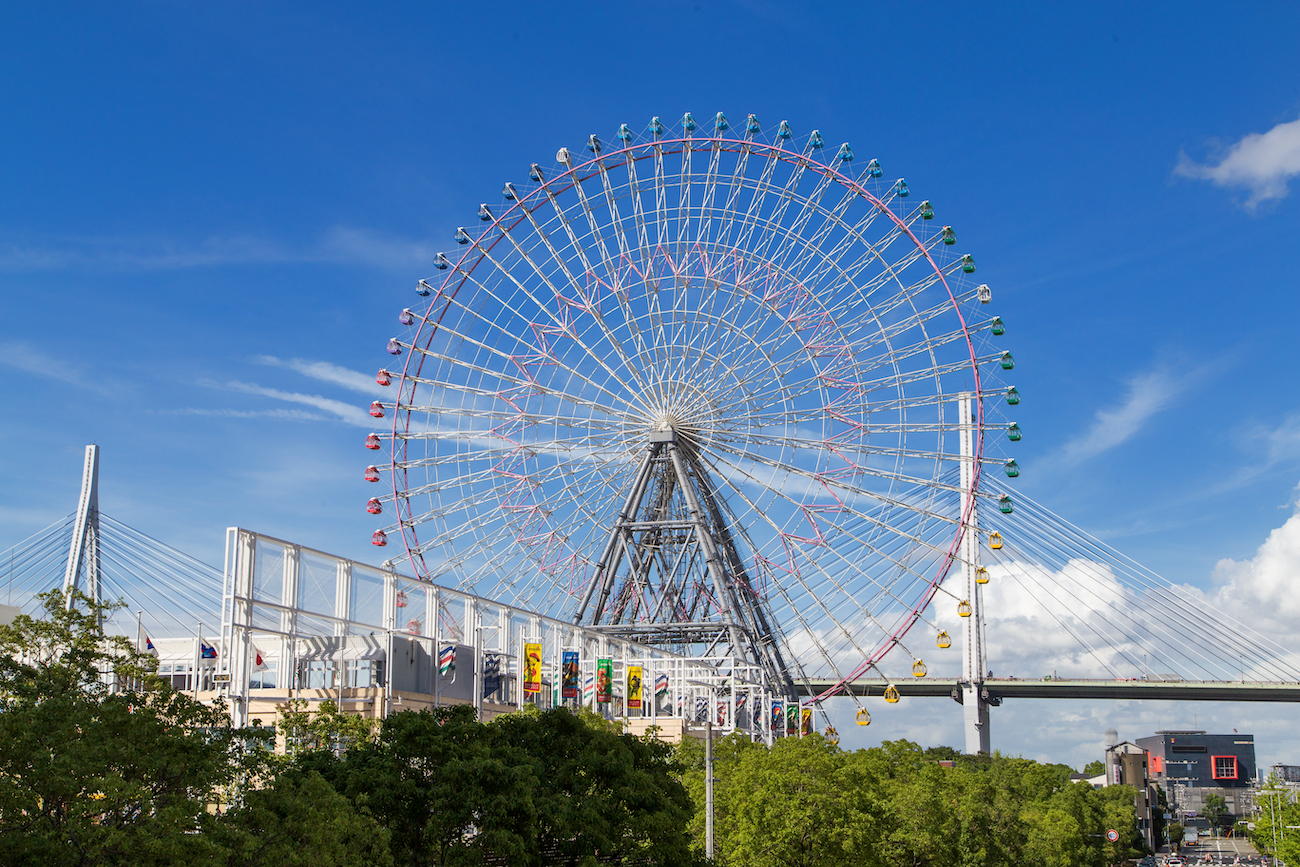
{"points": [[198, 661]]}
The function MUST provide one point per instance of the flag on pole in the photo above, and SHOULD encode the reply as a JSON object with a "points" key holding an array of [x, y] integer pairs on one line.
{"points": [[447, 661], [206, 651], [569, 670], [604, 680], [533, 666], [634, 687], [792, 718], [661, 684], [491, 673], [146, 646], [588, 690], [806, 726], [778, 718], [259, 663]]}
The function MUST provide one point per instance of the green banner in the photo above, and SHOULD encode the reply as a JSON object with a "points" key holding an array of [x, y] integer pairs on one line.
{"points": [[604, 680]]}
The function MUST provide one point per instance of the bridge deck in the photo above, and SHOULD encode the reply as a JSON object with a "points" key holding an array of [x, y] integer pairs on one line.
{"points": [[1002, 688]]}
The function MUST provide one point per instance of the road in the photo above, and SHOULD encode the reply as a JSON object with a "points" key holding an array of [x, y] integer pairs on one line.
{"points": [[1219, 850]]}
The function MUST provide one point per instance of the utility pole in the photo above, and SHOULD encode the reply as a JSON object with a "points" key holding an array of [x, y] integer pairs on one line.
{"points": [[708, 785], [975, 708]]}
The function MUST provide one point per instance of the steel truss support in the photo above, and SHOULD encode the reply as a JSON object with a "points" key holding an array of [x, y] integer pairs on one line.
{"points": [[85, 548], [654, 533], [975, 705]]}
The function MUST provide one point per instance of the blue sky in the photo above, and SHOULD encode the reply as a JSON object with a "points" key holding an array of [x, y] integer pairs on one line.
{"points": [[210, 216]]}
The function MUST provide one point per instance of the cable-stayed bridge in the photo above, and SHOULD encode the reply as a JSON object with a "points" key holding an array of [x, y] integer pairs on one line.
{"points": [[1121, 631]]}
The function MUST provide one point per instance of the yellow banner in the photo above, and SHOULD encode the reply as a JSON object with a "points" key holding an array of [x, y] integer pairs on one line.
{"points": [[634, 687], [533, 667]]}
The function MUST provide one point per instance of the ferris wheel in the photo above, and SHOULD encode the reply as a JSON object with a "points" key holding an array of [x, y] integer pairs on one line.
{"points": [[701, 386]]}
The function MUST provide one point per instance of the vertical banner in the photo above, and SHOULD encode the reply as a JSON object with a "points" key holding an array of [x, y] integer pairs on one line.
{"points": [[661, 685], [589, 690], [491, 673], [532, 667], [604, 680], [722, 712], [792, 718], [805, 727], [447, 661], [634, 687], [778, 718], [569, 669]]}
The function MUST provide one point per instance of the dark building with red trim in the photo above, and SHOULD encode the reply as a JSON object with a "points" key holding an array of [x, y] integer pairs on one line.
{"points": [[1189, 765]]}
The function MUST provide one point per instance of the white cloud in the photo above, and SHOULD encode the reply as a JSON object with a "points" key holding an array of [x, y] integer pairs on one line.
{"points": [[24, 357], [347, 412], [341, 244], [285, 414], [1260, 162], [1283, 442], [1148, 394], [1262, 589], [326, 372]]}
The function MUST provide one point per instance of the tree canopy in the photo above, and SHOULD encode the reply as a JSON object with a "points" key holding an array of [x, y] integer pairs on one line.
{"points": [[102, 763], [806, 802]]}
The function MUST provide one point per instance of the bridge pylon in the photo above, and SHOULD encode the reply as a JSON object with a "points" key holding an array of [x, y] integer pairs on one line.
{"points": [[973, 696], [85, 547]]}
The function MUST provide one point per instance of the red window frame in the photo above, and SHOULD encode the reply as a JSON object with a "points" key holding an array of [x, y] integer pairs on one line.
{"points": [[1214, 768]]}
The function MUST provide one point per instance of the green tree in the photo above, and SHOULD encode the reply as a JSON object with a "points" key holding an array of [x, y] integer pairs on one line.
{"points": [[1094, 768], [326, 729], [438, 787], [599, 794], [529, 788], [92, 773], [1271, 835], [1216, 810], [783, 806], [300, 821]]}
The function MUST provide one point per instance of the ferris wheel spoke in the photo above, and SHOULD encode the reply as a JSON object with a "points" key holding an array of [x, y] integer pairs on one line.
{"points": [[794, 236], [562, 326], [615, 220], [590, 306], [777, 219], [813, 478], [638, 206], [710, 189], [734, 189], [797, 573], [525, 379]]}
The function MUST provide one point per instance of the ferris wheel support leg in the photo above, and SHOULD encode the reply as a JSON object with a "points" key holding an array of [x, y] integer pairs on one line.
{"points": [[975, 706], [608, 563], [721, 586]]}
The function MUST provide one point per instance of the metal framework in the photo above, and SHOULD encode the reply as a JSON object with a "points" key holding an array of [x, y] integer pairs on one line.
{"points": [[683, 564], [326, 627]]}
